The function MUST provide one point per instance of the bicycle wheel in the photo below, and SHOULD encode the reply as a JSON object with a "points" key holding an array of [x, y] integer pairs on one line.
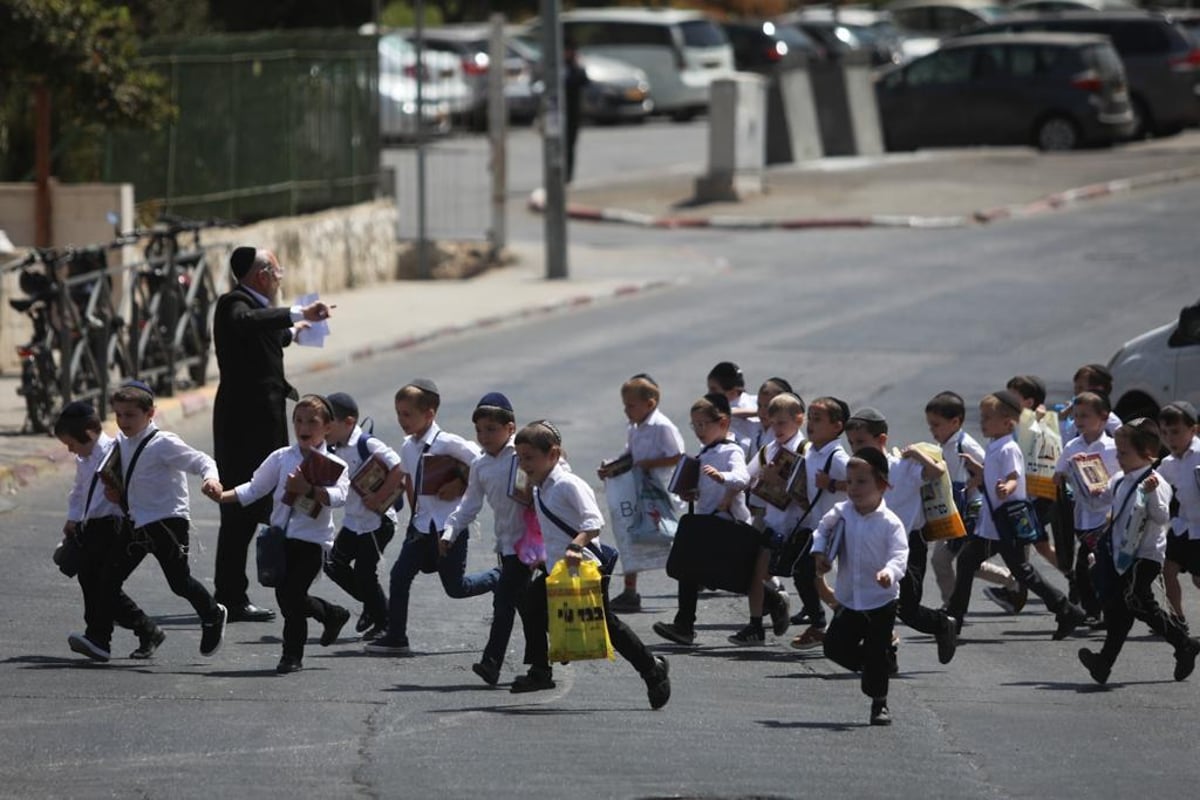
{"points": [[83, 379], [39, 387]]}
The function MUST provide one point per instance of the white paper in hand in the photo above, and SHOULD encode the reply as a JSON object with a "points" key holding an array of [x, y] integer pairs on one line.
{"points": [[313, 335]]}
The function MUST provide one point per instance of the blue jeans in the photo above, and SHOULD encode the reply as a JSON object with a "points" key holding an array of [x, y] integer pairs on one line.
{"points": [[511, 586], [420, 554]]}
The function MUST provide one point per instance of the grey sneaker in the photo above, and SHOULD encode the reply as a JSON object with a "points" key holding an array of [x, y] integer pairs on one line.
{"points": [[780, 618], [86, 647], [626, 602], [749, 636], [675, 634]]}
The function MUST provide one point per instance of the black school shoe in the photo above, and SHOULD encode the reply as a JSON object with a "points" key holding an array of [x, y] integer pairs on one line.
{"points": [[364, 622], [147, 643], [1095, 664], [536, 680], [947, 639], [488, 670], [211, 633], [879, 713], [1068, 620], [658, 683], [335, 620], [1185, 659], [673, 633], [288, 665]]}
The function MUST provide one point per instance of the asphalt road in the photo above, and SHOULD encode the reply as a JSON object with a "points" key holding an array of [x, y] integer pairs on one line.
{"points": [[880, 317]]}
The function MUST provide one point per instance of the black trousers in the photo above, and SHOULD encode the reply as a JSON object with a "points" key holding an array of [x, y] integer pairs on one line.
{"points": [[304, 561], [507, 602], [805, 575], [1012, 552], [1084, 586], [98, 538], [167, 541], [238, 524], [909, 609], [536, 620], [859, 641], [1132, 597], [353, 565]]}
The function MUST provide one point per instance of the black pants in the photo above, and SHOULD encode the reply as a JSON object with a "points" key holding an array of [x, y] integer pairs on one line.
{"points": [[1012, 552], [295, 603], [167, 541], [859, 641], [353, 565], [909, 609], [1132, 597], [536, 620], [507, 602], [238, 524], [805, 575], [1084, 586], [98, 538], [1061, 512]]}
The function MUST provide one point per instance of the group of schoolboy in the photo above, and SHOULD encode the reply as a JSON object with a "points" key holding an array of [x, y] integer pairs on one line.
{"points": [[861, 510]]}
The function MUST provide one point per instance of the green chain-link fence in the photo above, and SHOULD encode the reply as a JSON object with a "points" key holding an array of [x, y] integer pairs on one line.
{"points": [[269, 124]]}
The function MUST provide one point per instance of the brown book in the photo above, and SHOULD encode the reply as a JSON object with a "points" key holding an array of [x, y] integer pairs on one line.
{"points": [[617, 466], [797, 487], [686, 478], [319, 470], [438, 470], [1090, 473], [370, 476], [519, 487], [775, 477], [110, 470]]}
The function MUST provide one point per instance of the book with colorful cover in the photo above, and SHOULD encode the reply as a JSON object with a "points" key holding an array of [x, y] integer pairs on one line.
{"points": [[110, 470], [797, 485], [319, 470], [775, 477], [1090, 474], [372, 475], [438, 470]]}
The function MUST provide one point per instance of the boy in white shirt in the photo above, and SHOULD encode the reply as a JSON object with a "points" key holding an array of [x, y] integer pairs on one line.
{"points": [[1001, 477], [867, 428], [1130, 552], [721, 490], [655, 446], [765, 435], [95, 523], [491, 479], [871, 548], [308, 537], [1089, 515], [945, 414], [726, 378], [1181, 469], [153, 492], [1089, 378], [416, 410], [825, 470], [367, 524]]}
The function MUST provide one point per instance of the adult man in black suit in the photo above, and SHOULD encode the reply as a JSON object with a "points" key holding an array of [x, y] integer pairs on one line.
{"points": [[249, 416]]}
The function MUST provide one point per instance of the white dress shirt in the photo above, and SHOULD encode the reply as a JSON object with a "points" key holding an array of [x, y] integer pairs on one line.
{"points": [[78, 509], [1090, 512], [571, 500], [1002, 459], [906, 476], [1153, 546], [489, 480], [358, 518], [870, 543], [728, 458], [1183, 474], [271, 478], [158, 487], [653, 438], [814, 461], [744, 429], [429, 513], [958, 445], [780, 520]]}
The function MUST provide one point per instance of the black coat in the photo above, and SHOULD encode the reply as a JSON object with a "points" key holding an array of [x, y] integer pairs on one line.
{"points": [[249, 414]]}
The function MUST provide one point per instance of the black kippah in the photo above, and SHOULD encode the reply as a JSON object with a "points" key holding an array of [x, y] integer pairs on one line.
{"points": [[241, 261]]}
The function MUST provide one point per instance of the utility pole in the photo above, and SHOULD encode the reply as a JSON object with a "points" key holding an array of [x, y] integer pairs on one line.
{"points": [[553, 166], [423, 271], [498, 134]]}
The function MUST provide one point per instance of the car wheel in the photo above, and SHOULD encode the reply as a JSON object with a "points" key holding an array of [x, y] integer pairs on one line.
{"points": [[1056, 133], [1143, 122], [684, 115]]}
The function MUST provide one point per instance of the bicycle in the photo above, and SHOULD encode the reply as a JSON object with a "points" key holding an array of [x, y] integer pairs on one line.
{"points": [[39, 367]]}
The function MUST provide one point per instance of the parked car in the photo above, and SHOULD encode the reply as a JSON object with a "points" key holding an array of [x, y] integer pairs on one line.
{"points": [[1050, 6], [764, 47], [1053, 91], [444, 92], [616, 91], [681, 52], [869, 26], [1157, 367], [470, 44], [1161, 61], [944, 18], [843, 36]]}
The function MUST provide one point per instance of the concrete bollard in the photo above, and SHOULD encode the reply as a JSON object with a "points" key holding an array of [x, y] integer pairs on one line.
{"points": [[736, 139], [844, 93], [793, 131]]}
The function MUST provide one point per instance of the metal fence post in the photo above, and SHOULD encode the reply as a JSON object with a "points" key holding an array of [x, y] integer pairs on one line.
{"points": [[498, 136], [552, 142], [423, 271]]}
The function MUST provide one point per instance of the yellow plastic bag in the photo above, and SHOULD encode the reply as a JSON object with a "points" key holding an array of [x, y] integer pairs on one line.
{"points": [[1041, 444], [937, 500], [575, 603]]}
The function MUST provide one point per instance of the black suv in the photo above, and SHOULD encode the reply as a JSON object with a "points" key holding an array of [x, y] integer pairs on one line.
{"points": [[1161, 62]]}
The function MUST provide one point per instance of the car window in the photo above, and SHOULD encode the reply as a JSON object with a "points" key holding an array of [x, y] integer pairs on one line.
{"points": [[945, 68], [1023, 61], [952, 20], [991, 62], [1140, 38], [1104, 60], [702, 33], [914, 19]]}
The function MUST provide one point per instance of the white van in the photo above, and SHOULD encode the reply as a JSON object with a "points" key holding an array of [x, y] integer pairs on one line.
{"points": [[681, 52], [1159, 366]]}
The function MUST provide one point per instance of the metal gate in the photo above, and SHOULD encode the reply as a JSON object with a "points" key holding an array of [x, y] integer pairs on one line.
{"points": [[457, 189]]}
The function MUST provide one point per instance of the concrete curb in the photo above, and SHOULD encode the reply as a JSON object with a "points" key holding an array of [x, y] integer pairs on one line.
{"points": [[198, 401], [1048, 203]]}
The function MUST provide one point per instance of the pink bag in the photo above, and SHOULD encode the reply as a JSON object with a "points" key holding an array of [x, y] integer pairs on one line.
{"points": [[531, 549]]}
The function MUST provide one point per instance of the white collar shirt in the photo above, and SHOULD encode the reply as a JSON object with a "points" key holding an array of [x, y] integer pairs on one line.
{"points": [[1183, 474], [815, 460], [271, 478], [958, 445], [571, 500], [780, 520], [158, 487], [729, 459], [1002, 459], [489, 480], [1090, 513], [87, 482], [744, 429], [358, 518], [870, 543], [653, 438], [906, 477], [1121, 494], [429, 512]]}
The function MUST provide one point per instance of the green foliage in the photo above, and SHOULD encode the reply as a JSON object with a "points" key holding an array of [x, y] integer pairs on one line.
{"points": [[401, 14]]}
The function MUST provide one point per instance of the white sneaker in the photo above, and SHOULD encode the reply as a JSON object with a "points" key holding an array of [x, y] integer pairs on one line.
{"points": [[86, 647]]}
